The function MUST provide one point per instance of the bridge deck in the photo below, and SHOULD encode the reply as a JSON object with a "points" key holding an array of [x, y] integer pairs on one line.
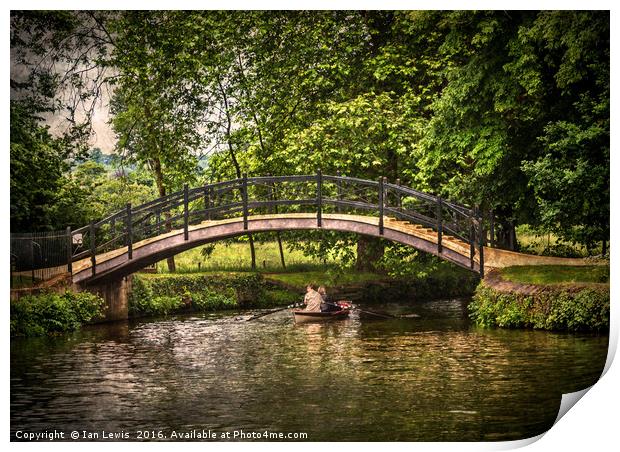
{"points": [[424, 238]]}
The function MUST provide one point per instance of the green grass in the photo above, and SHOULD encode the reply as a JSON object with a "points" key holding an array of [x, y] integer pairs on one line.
{"points": [[556, 274], [534, 242], [236, 257]]}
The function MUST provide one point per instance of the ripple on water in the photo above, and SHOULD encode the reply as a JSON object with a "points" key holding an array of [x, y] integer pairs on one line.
{"points": [[428, 378]]}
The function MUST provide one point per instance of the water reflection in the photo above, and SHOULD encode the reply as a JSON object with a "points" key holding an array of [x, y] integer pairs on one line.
{"points": [[429, 378]]}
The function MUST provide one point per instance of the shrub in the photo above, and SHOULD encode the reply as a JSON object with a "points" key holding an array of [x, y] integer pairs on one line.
{"points": [[583, 310], [561, 250], [212, 301], [161, 295], [49, 313]]}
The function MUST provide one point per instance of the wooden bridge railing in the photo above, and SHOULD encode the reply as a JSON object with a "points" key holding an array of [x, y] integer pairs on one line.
{"points": [[247, 196]]}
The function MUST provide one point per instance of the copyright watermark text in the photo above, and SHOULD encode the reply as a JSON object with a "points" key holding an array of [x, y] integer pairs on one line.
{"points": [[158, 435]]}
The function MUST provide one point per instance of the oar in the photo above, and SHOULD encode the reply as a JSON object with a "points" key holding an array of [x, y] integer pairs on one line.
{"points": [[263, 314], [386, 316]]}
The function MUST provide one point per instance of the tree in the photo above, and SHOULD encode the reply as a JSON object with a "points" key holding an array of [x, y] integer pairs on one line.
{"points": [[158, 107], [523, 112], [37, 166], [570, 176], [52, 72]]}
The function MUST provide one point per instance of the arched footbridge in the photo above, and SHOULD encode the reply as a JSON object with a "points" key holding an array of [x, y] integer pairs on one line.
{"points": [[139, 236]]}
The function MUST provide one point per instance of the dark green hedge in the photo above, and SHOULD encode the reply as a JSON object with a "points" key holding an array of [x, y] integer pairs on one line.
{"points": [[450, 282], [561, 310], [49, 313], [166, 294]]}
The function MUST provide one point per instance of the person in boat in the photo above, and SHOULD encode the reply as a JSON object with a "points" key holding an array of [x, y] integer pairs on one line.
{"points": [[312, 300], [327, 304]]}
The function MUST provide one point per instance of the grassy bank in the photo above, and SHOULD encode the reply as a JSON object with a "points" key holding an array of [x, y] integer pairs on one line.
{"points": [[52, 313], [546, 297]]}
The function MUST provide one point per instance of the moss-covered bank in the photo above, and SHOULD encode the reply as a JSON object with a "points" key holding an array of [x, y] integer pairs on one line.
{"points": [[161, 294], [558, 307], [173, 293]]}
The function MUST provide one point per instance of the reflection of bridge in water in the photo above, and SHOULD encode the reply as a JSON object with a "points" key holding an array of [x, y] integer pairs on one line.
{"points": [[139, 236]]}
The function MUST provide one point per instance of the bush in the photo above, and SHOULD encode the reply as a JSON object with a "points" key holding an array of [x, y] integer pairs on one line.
{"points": [[584, 310], [49, 313], [561, 250], [164, 294], [212, 301]]}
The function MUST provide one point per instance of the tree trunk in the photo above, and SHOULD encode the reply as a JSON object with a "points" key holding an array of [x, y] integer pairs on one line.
{"points": [[369, 252], [279, 238], [159, 180], [604, 248], [233, 157], [506, 235], [252, 252]]}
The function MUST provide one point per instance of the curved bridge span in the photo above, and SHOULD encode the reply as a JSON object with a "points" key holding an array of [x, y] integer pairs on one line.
{"points": [[139, 236], [116, 263]]}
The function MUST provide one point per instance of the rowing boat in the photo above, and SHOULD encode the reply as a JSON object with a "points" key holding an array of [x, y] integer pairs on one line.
{"points": [[302, 316]]}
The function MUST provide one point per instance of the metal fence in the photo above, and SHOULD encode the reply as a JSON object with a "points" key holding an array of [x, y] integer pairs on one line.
{"points": [[39, 256]]}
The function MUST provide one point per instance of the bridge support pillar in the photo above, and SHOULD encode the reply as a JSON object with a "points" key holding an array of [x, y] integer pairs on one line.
{"points": [[116, 296]]}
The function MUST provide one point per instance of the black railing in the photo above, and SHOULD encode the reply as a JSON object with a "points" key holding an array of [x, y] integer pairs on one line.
{"points": [[249, 196], [39, 256]]}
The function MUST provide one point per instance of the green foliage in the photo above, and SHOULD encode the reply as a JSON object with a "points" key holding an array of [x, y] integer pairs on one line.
{"points": [[208, 300], [158, 108], [91, 192], [560, 250], [143, 300], [522, 123], [583, 310], [165, 294], [37, 166], [326, 247], [50, 313], [505, 110]]}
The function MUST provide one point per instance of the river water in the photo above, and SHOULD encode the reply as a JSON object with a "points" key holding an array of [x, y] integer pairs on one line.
{"points": [[430, 378]]}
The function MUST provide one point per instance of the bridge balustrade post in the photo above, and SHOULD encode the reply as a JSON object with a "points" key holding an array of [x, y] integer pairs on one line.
{"points": [[69, 250], [129, 232], [244, 197], [158, 220], [399, 200], [472, 239], [481, 244], [185, 212], [93, 248], [492, 229], [319, 198], [339, 192], [207, 199], [271, 195], [381, 203], [439, 224]]}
